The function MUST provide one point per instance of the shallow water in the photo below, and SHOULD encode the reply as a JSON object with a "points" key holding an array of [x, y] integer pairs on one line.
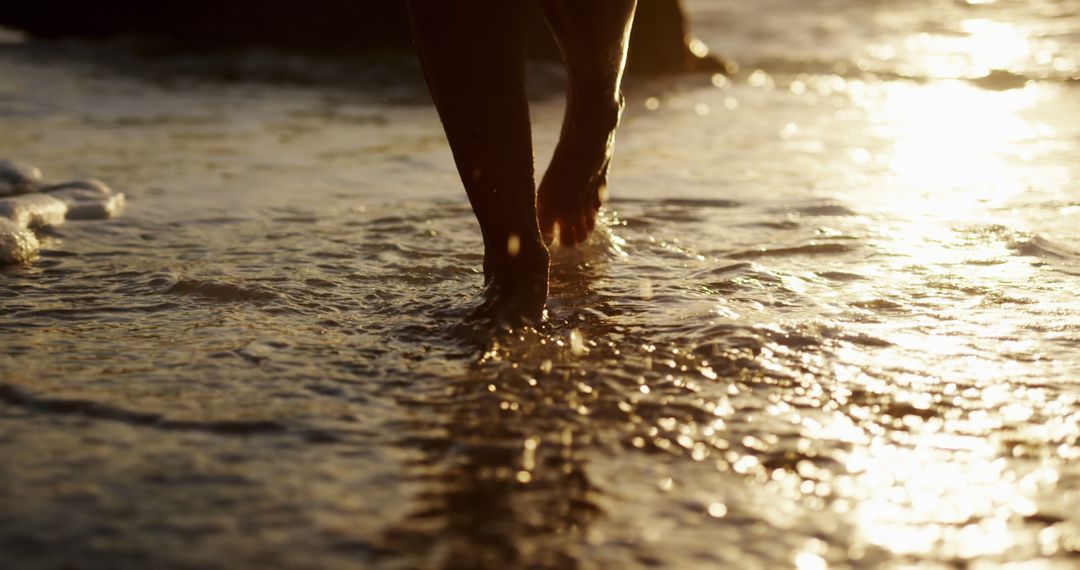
{"points": [[830, 320]]}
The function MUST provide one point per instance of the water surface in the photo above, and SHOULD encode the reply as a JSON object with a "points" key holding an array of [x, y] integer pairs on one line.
{"points": [[830, 321]]}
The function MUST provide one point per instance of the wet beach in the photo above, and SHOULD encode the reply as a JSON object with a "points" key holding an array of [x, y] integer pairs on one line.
{"points": [[830, 319]]}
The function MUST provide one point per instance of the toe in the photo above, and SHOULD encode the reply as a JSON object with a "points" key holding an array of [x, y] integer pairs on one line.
{"points": [[571, 234], [547, 227], [582, 229]]}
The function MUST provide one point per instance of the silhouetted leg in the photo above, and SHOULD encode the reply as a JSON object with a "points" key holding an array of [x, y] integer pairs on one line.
{"points": [[473, 55], [593, 37]]}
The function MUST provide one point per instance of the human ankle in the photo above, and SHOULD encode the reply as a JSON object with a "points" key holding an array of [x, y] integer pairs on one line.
{"points": [[599, 114]]}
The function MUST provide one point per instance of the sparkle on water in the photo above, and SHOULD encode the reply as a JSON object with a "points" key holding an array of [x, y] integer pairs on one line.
{"points": [[829, 318]]}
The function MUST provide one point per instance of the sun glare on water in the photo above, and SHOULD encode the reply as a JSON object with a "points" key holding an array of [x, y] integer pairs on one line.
{"points": [[953, 158]]}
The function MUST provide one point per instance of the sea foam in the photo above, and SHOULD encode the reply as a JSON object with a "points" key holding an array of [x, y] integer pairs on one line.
{"points": [[27, 203]]}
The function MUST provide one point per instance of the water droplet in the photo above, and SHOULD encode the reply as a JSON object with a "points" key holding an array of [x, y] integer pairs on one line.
{"points": [[577, 343], [717, 510]]}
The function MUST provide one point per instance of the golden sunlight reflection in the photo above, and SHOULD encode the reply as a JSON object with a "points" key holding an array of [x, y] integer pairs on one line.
{"points": [[975, 47], [950, 163], [987, 45], [952, 157], [955, 147], [994, 45], [945, 494]]}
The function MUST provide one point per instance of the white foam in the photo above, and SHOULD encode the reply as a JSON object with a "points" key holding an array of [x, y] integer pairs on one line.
{"points": [[27, 203], [33, 210], [87, 199], [17, 244], [17, 177]]}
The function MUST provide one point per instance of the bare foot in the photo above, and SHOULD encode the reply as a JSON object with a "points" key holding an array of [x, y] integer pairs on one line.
{"points": [[515, 282], [575, 184]]}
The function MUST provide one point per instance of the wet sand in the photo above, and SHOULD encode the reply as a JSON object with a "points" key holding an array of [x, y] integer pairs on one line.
{"points": [[830, 320]]}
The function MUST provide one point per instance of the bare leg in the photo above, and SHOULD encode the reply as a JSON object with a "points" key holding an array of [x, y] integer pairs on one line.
{"points": [[593, 37], [473, 55]]}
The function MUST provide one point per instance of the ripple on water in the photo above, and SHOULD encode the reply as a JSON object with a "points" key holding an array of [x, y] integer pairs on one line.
{"points": [[672, 398], [220, 291], [848, 337]]}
